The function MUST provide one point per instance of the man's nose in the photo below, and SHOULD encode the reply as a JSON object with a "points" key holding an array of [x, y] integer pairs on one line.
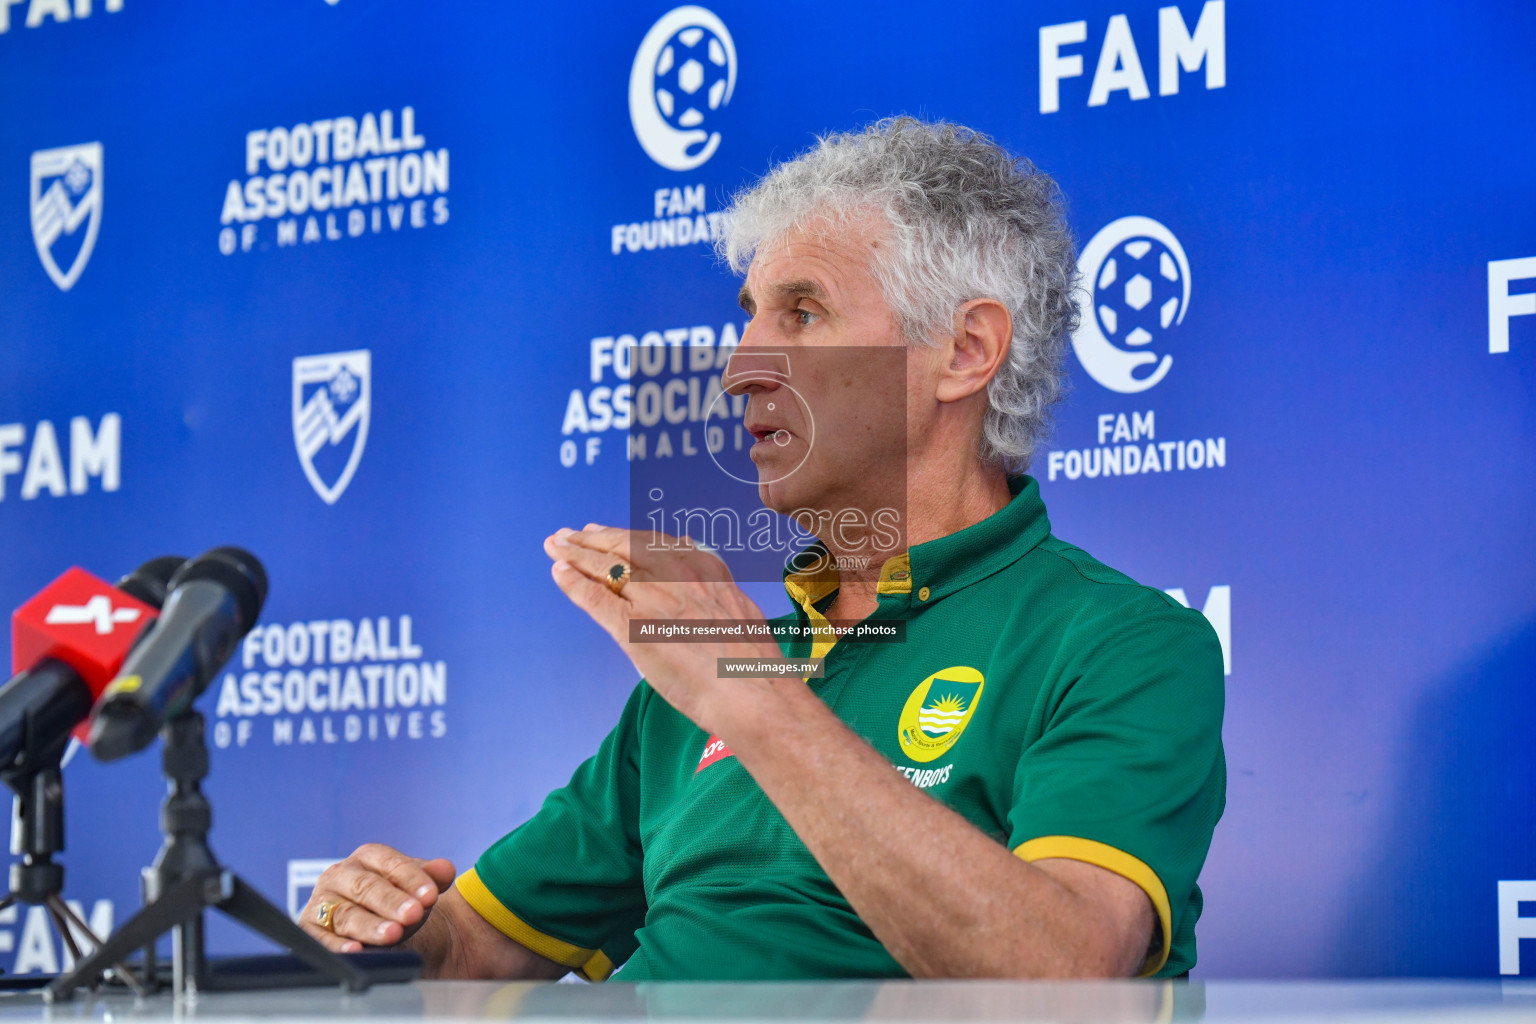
{"points": [[753, 371]]}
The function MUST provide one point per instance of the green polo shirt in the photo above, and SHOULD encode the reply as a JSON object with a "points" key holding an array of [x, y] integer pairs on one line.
{"points": [[1060, 707]]}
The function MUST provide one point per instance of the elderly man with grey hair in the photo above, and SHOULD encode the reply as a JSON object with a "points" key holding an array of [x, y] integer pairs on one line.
{"points": [[1025, 786]]}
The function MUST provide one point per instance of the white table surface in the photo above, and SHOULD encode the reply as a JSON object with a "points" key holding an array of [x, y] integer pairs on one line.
{"points": [[903, 1001]]}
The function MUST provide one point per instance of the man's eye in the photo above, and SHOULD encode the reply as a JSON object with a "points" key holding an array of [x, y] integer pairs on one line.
{"points": [[805, 316]]}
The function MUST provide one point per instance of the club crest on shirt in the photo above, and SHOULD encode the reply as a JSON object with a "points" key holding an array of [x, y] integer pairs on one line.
{"points": [[937, 712]]}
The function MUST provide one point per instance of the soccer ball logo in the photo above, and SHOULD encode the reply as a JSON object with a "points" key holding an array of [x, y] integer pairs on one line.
{"points": [[683, 73], [1138, 280], [1137, 294], [690, 73]]}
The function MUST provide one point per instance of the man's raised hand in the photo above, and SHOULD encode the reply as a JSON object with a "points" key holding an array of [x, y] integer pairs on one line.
{"points": [[669, 578], [380, 897]]}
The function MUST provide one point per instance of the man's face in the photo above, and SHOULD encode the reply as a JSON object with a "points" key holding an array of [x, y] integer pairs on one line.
{"points": [[824, 364]]}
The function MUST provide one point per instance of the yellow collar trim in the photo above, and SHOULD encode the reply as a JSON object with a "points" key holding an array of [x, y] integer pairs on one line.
{"points": [[807, 588]]}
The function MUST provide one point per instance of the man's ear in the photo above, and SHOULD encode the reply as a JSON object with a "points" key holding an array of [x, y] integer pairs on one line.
{"points": [[976, 350]]}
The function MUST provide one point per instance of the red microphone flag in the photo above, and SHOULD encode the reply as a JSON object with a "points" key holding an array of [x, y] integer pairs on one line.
{"points": [[82, 621]]}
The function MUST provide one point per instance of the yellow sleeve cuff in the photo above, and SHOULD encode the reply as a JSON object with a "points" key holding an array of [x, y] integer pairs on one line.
{"points": [[1121, 863], [591, 964]]}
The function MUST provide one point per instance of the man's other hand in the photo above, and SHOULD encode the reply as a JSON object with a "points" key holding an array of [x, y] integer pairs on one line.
{"points": [[381, 896]]}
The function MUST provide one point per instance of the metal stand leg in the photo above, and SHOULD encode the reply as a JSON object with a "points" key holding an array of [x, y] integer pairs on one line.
{"points": [[66, 920], [62, 924], [151, 966], [173, 907]]}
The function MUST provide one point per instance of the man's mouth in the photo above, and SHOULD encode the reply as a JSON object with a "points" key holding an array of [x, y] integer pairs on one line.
{"points": [[768, 433], [770, 419]]}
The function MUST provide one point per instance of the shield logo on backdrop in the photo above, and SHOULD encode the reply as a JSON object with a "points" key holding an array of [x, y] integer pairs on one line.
{"points": [[331, 403], [66, 193]]}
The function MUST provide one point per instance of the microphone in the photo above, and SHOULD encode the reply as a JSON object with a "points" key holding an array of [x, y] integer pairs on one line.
{"points": [[151, 581], [214, 601], [67, 643]]}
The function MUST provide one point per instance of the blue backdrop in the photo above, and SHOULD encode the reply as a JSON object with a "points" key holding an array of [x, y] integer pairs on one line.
{"points": [[1302, 393]]}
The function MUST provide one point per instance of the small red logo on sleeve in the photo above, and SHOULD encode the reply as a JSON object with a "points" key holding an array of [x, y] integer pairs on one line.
{"points": [[714, 750]]}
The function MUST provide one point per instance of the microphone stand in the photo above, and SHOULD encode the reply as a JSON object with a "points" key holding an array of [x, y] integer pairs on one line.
{"points": [[187, 879], [37, 833]]}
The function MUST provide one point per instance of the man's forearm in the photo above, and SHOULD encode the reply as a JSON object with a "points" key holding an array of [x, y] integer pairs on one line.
{"points": [[456, 942], [436, 943], [895, 853]]}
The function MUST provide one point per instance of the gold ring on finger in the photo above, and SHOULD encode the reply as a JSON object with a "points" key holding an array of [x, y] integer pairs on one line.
{"points": [[618, 574], [325, 915]]}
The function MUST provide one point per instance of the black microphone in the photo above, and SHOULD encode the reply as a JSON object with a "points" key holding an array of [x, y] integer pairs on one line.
{"points": [[151, 582], [43, 702], [214, 601]]}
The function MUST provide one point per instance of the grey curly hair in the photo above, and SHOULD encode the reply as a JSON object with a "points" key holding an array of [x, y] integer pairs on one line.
{"points": [[965, 220]]}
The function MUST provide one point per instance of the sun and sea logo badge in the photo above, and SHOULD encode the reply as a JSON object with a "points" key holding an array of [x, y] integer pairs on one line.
{"points": [[938, 711]]}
